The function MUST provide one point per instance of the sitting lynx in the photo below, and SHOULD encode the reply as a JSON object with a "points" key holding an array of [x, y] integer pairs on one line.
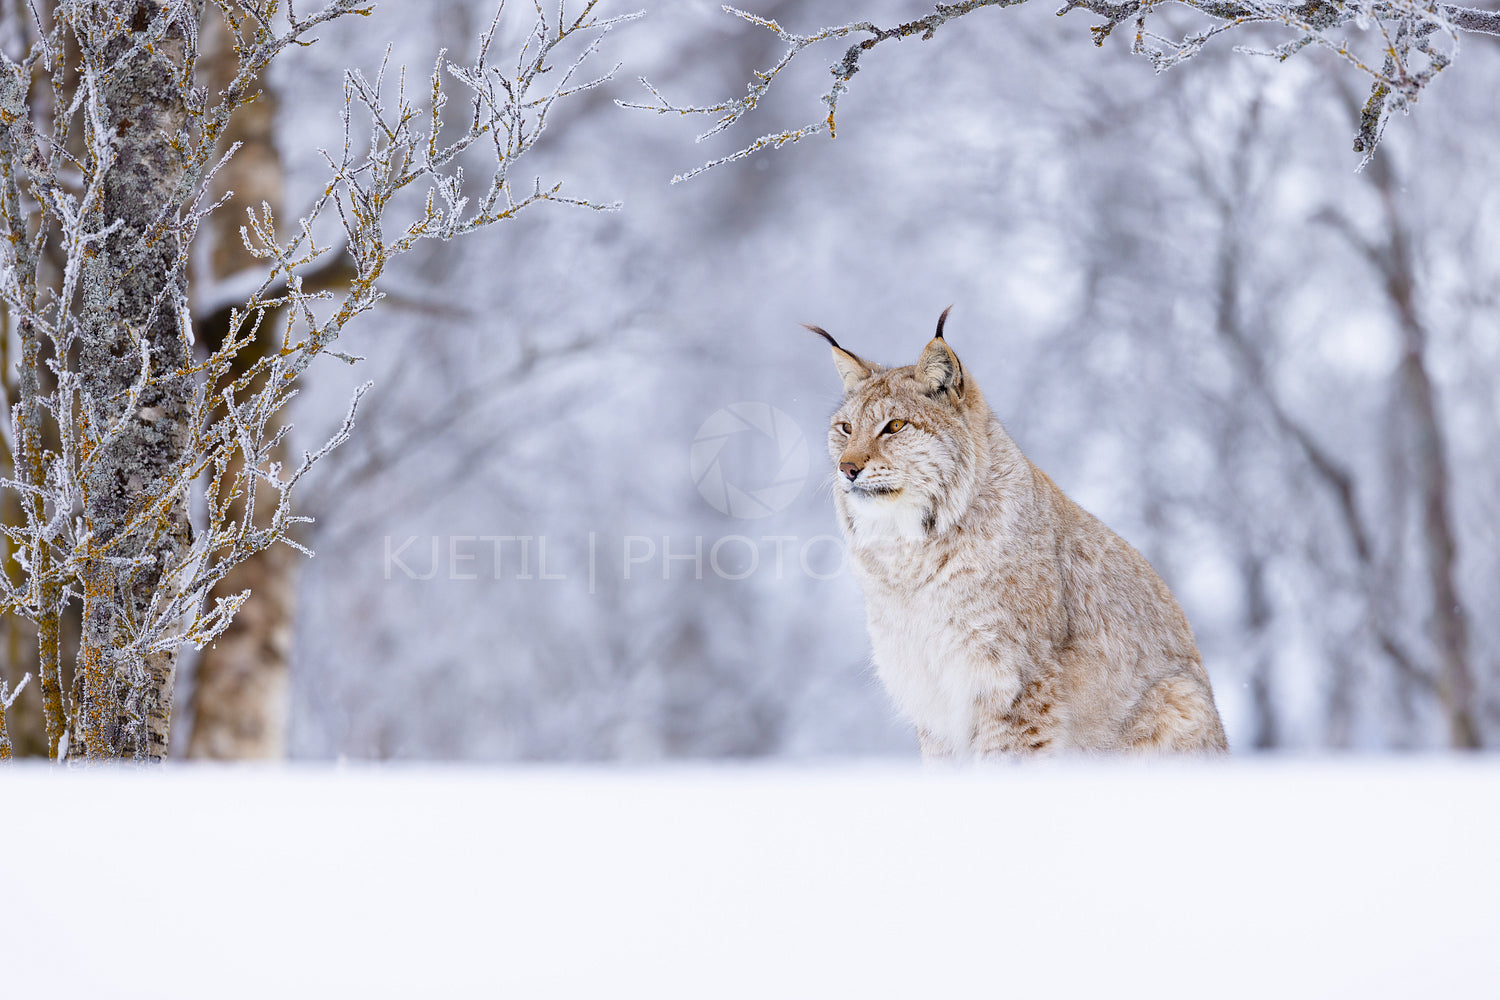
{"points": [[1005, 619]]}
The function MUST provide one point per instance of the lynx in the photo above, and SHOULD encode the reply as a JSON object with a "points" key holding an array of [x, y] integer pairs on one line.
{"points": [[1004, 618]]}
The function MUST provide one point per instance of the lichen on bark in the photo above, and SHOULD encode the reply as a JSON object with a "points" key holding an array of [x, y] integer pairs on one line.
{"points": [[133, 286]]}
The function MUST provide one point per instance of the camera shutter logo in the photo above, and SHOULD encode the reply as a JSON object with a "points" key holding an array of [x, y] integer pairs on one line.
{"points": [[727, 490]]}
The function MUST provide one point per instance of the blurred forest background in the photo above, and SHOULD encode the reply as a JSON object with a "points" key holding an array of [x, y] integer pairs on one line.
{"points": [[1275, 376]]}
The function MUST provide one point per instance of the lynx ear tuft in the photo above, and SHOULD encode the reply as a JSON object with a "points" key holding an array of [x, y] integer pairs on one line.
{"points": [[852, 369], [938, 369], [941, 320]]}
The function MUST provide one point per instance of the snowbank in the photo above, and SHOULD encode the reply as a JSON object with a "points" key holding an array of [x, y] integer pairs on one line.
{"points": [[1252, 879]]}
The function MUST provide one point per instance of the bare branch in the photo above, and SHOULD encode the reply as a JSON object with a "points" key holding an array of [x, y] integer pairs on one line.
{"points": [[1401, 33]]}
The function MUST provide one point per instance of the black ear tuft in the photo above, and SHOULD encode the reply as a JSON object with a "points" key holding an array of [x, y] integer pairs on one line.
{"points": [[941, 320], [852, 368], [824, 334]]}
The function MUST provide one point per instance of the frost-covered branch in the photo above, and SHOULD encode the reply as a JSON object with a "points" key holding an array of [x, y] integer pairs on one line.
{"points": [[118, 415], [7, 699], [1400, 45]]}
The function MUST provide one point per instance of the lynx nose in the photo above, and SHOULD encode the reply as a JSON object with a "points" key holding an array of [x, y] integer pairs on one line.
{"points": [[849, 469]]}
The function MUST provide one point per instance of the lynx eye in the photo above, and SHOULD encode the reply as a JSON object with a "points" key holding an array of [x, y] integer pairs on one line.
{"points": [[894, 426], [843, 428]]}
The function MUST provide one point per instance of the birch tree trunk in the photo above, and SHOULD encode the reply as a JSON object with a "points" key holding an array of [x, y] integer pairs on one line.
{"points": [[132, 290], [240, 700]]}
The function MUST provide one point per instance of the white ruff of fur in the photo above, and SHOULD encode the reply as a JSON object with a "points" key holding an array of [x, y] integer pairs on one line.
{"points": [[887, 518]]}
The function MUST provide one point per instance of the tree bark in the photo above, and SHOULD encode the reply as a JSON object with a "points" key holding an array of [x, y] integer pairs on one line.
{"points": [[132, 289]]}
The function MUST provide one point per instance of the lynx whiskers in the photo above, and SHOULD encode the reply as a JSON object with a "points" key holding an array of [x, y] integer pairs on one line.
{"points": [[1004, 618]]}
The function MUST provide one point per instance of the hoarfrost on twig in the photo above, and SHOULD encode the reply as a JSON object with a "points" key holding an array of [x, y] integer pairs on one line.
{"points": [[1416, 39]]}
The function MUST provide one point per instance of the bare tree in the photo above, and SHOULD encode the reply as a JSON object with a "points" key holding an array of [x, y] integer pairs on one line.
{"points": [[108, 368], [1423, 446], [1391, 495]]}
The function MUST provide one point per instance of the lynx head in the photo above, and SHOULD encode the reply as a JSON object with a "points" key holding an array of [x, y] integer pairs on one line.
{"points": [[907, 442]]}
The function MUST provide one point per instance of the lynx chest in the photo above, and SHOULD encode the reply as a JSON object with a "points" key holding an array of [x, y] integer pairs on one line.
{"points": [[942, 654]]}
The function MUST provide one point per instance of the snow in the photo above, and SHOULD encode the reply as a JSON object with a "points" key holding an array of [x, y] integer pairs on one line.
{"points": [[1263, 878]]}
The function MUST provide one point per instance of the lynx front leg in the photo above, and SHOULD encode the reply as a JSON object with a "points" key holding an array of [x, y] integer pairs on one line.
{"points": [[933, 749], [1027, 724], [1007, 735]]}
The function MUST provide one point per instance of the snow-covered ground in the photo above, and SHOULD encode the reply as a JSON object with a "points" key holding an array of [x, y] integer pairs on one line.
{"points": [[1264, 879]]}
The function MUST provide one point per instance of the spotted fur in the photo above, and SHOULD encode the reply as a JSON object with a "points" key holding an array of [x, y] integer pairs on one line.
{"points": [[1004, 618]]}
